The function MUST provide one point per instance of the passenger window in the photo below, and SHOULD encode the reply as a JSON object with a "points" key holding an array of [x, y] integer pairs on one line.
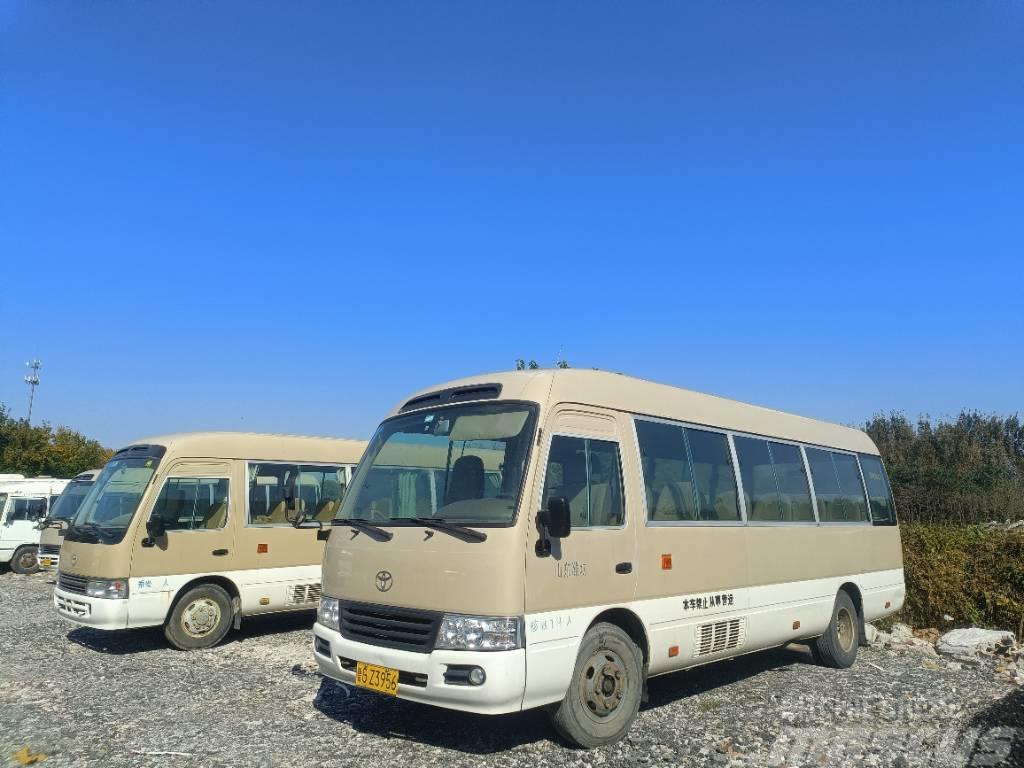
{"points": [[319, 491], [27, 510], [713, 478], [883, 509], [792, 480], [272, 493], [588, 474], [760, 490], [667, 480], [837, 486], [193, 503]]}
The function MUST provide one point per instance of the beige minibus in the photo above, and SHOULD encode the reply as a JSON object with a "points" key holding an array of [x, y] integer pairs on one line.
{"points": [[61, 512], [194, 531], [629, 529]]}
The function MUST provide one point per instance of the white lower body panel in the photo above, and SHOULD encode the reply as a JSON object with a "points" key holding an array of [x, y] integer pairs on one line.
{"points": [[150, 598]]}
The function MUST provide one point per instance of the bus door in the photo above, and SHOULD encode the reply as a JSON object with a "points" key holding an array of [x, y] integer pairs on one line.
{"points": [[19, 524], [583, 455], [193, 502]]}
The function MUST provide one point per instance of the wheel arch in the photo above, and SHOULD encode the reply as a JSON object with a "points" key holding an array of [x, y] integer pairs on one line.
{"points": [[221, 581], [631, 624]]}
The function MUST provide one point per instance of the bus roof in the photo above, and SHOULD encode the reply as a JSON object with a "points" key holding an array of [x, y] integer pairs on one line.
{"points": [[631, 395], [253, 445]]}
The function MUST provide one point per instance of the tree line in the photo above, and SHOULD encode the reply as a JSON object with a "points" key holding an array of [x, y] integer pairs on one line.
{"points": [[970, 469], [40, 449]]}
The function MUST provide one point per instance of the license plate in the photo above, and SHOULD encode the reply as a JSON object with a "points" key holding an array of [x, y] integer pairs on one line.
{"points": [[46, 562], [380, 679]]}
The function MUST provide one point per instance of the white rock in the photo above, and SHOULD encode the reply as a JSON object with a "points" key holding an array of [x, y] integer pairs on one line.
{"points": [[901, 633], [870, 633], [973, 641], [946, 617]]}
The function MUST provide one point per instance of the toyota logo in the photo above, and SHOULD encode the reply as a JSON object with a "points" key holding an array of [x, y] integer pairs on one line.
{"points": [[384, 581], [74, 559]]}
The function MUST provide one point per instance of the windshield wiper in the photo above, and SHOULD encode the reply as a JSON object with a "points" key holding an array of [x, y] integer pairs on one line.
{"points": [[368, 528], [96, 530], [453, 528]]}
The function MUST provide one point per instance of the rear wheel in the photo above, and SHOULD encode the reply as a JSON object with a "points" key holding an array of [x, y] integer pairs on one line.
{"points": [[838, 646], [25, 560], [200, 619], [605, 690]]}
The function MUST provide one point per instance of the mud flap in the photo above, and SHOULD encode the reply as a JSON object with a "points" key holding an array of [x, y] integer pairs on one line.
{"points": [[236, 609], [863, 642]]}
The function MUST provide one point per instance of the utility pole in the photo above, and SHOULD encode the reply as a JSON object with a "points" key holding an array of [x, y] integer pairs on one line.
{"points": [[33, 381]]}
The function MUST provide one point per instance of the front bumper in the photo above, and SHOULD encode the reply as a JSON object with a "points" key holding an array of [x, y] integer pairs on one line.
{"points": [[101, 613], [502, 691]]}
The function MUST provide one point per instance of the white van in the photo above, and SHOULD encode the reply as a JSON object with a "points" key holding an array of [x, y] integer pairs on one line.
{"points": [[23, 503]]}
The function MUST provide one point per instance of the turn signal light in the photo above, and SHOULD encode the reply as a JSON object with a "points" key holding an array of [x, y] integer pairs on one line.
{"points": [[261, 549], [673, 651], [666, 562]]}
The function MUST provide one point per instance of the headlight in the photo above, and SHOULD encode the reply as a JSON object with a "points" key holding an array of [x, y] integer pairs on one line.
{"points": [[479, 633], [327, 613], [116, 589]]}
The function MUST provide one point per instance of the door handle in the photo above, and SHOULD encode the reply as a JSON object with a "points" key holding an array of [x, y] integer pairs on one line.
{"points": [[624, 568], [219, 552]]}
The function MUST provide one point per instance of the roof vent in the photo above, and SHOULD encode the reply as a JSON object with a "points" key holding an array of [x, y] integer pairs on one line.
{"points": [[453, 395]]}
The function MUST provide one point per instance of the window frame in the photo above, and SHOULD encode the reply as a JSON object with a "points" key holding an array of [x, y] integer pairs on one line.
{"points": [[888, 484], [737, 475], [864, 488], [740, 501], [350, 470], [170, 476], [617, 441]]}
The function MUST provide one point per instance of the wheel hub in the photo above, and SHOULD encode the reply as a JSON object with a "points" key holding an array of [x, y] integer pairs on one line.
{"points": [[845, 629], [27, 560], [603, 683], [200, 617]]}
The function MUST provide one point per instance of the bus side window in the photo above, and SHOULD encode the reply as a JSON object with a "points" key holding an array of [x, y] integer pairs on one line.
{"points": [[193, 503], [588, 474], [883, 510]]}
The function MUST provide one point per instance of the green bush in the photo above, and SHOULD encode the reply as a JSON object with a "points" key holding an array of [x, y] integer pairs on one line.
{"points": [[972, 573]]}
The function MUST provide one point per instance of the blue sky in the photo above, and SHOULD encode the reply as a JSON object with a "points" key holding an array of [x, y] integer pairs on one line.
{"points": [[285, 216]]}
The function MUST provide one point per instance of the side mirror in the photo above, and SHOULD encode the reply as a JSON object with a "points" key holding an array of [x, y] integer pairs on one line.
{"points": [[155, 527], [557, 517]]}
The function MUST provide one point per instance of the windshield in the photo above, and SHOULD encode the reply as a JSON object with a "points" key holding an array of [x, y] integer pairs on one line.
{"points": [[69, 501], [111, 502], [462, 463]]}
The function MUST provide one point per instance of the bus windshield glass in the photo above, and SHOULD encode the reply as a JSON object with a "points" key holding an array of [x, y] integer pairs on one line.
{"points": [[108, 508], [67, 503], [462, 463]]}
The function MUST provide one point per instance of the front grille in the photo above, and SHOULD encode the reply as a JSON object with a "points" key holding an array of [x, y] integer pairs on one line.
{"points": [[390, 627], [74, 608], [70, 583], [49, 549]]}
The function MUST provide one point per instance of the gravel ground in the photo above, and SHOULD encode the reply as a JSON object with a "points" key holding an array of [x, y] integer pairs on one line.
{"points": [[84, 697]]}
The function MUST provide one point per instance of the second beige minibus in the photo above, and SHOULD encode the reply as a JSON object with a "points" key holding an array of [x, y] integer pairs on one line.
{"points": [[193, 531]]}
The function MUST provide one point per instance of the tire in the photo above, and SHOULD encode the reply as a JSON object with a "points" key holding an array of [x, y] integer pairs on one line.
{"points": [[25, 560], [593, 715], [838, 646], [200, 619]]}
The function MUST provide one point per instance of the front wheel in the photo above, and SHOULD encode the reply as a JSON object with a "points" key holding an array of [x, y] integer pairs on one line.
{"points": [[200, 619], [838, 646], [25, 560], [605, 689]]}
